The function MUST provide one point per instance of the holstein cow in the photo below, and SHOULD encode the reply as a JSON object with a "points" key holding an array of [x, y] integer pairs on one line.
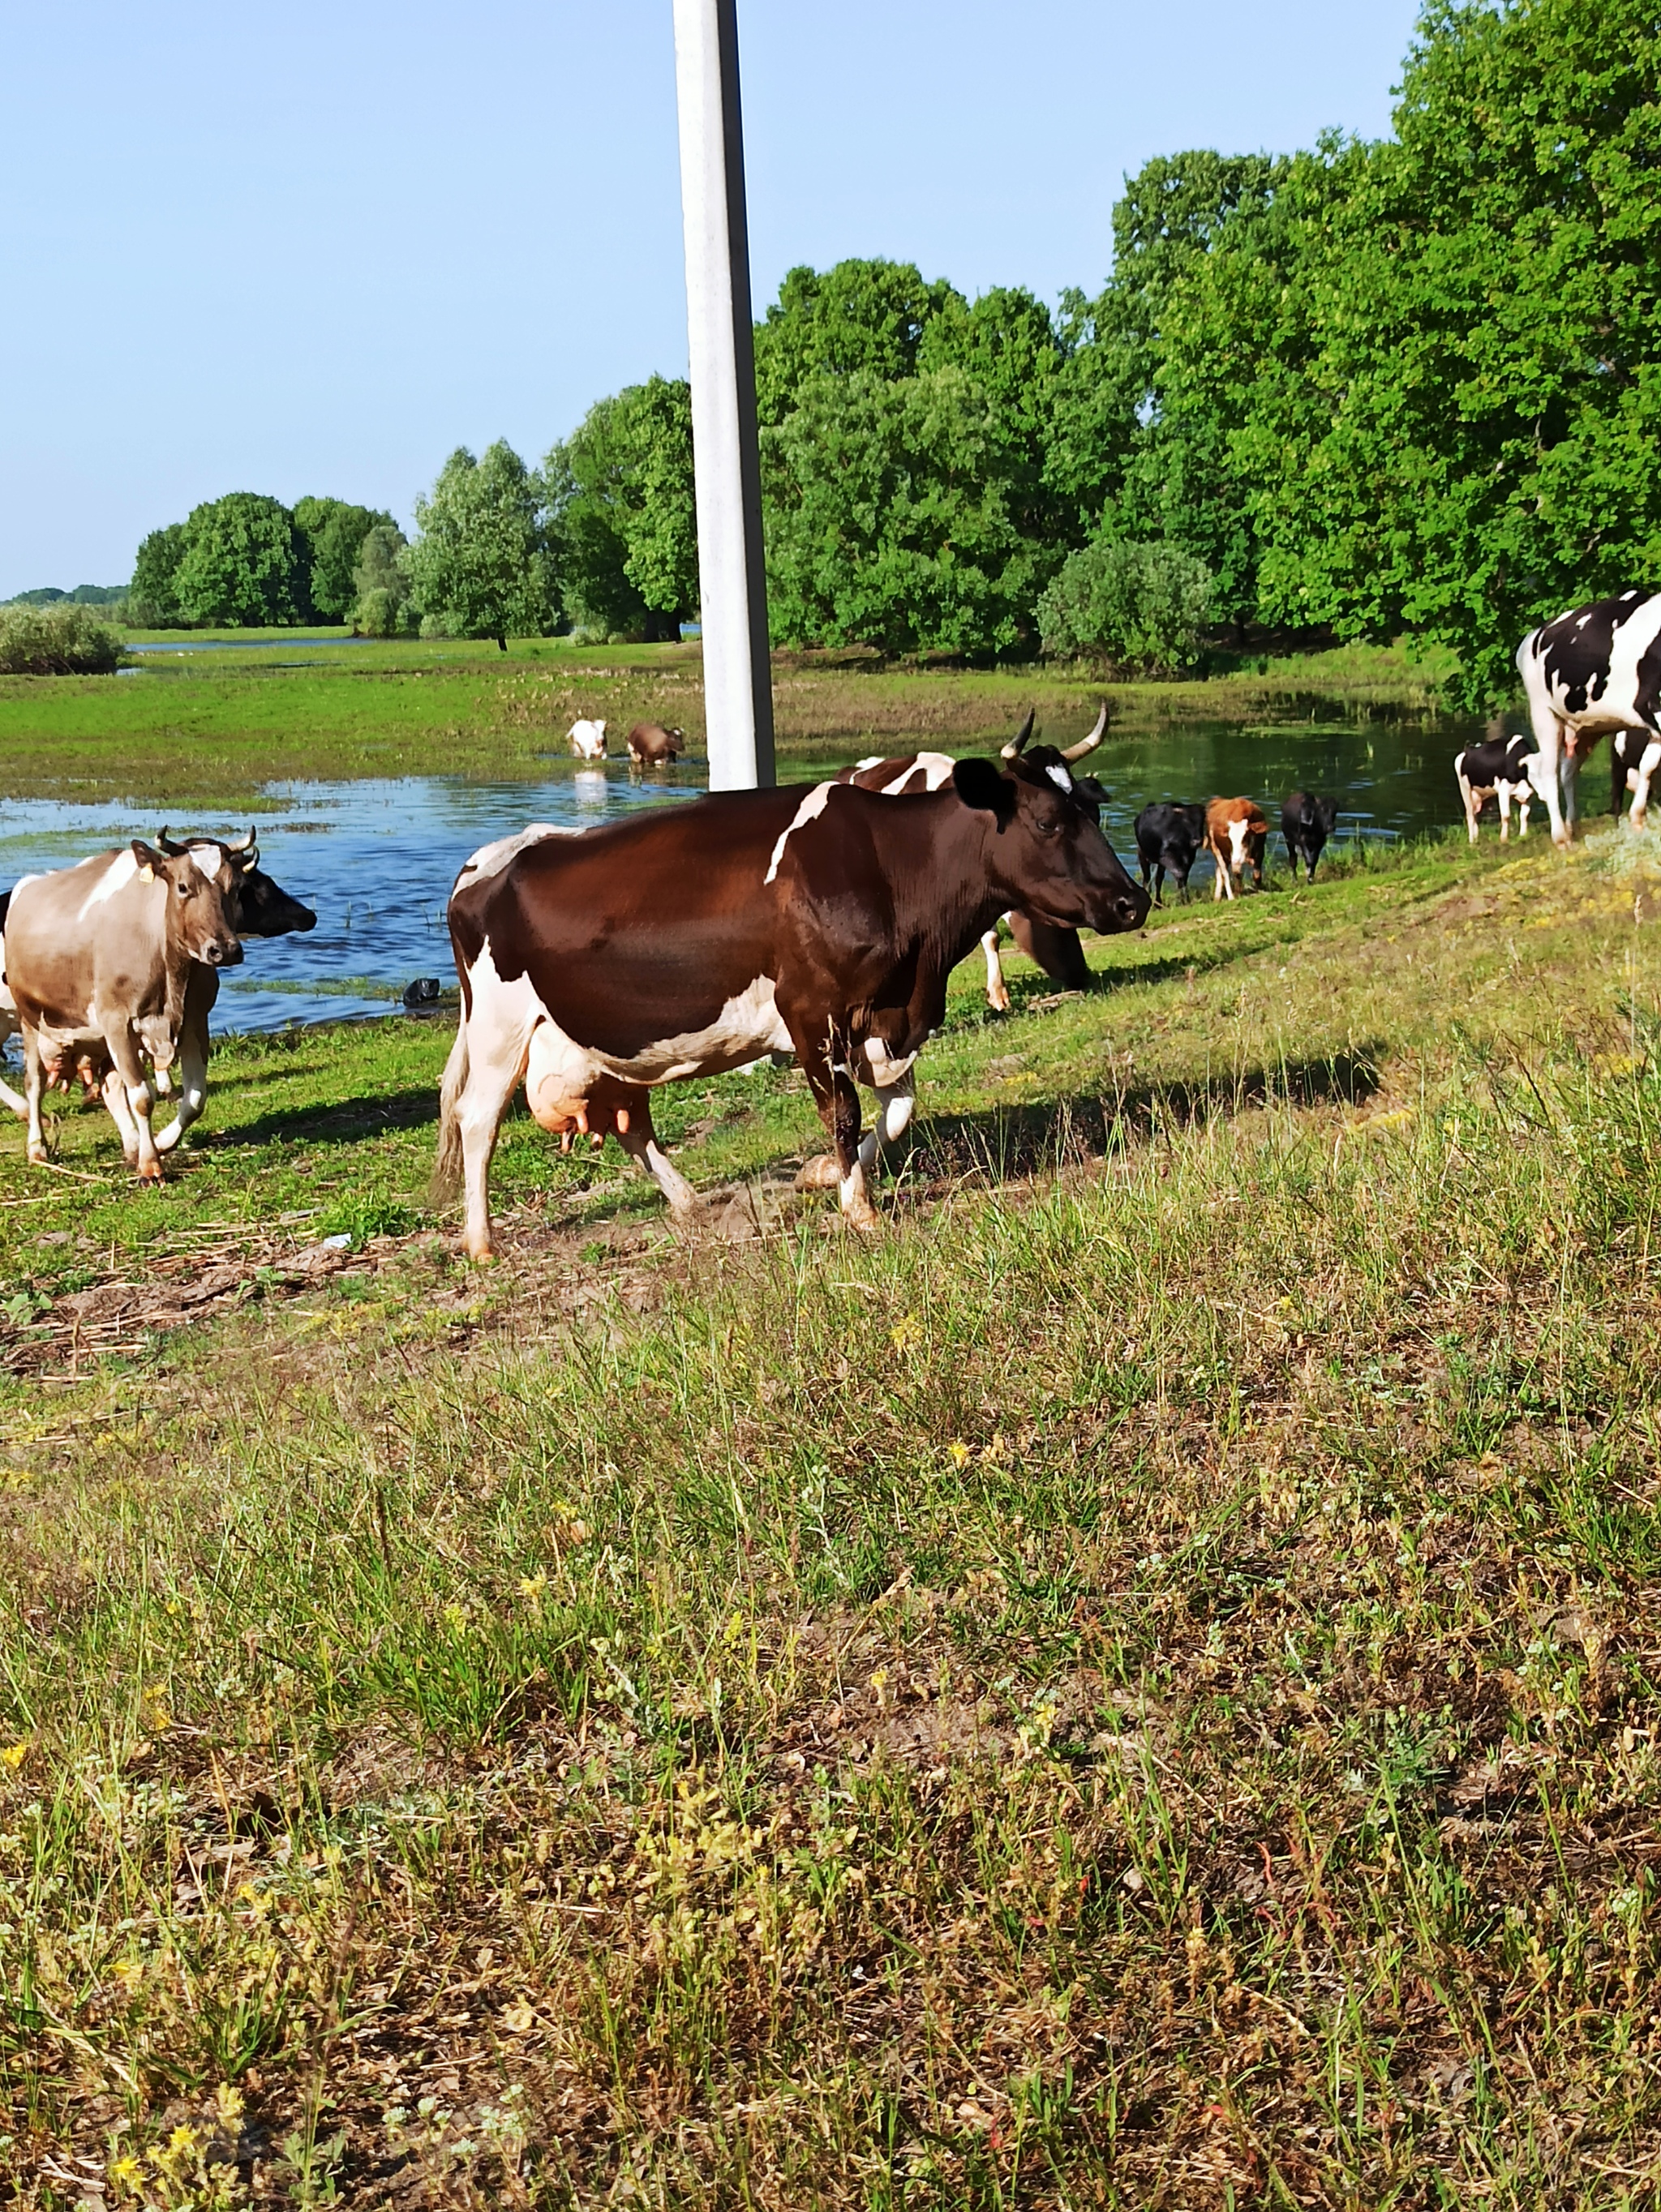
{"points": [[1500, 768], [116, 961], [1169, 836], [650, 745], [1057, 952], [1594, 670], [1306, 823], [588, 740], [822, 920], [1236, 837]]}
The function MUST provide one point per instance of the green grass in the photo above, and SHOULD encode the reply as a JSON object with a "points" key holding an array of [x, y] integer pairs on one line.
{"points": [[205, 727], [1138, 1687]]}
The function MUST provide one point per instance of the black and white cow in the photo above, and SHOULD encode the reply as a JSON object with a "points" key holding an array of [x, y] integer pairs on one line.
{"points": [[1505, 769], [1592, 672]]}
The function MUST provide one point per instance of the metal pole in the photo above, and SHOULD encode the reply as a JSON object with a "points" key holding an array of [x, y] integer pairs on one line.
{"points": [[738, 694]]}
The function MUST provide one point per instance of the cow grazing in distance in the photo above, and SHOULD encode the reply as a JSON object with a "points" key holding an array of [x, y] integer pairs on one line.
{"points": [[587, 740], [1593, 670], [822, 920], [1236, 837], [1057, 952], [259, 907], [1635, 756], [1306, 823], [1169, 836], [650, 745], [1500, 768]]}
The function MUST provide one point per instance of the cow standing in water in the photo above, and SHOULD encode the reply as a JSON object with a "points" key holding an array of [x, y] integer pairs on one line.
{"points": [[1057, 952], [823, 920], [1594, 671]]}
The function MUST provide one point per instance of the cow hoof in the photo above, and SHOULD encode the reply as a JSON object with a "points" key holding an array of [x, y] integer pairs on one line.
{"points": [[150, 1172], [820, 1173], [865, 1218], [39, 1157], [1000, 1004]]}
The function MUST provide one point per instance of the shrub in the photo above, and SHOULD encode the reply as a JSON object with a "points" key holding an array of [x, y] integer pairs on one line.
{"points": [[62, 640], [1141, 606]]}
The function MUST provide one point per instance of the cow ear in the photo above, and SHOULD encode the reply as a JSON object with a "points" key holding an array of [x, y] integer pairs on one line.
{"points": [[149, 860], [978, 784]]}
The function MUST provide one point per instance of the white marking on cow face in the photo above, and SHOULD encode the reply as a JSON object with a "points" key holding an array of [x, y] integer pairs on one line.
{"points": [[491, 859], [810, 810], [1059, 776], [207, 859], [120, 872], [1237, 845]]}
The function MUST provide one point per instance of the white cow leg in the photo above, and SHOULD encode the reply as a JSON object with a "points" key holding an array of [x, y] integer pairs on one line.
{"points": [[642, 1147], [1504, 796], [894, 1105], [129, 1074], [493, 1076], [1472, 810], [1549, 778], [114, 1092], [1640, 796], [34, 1083], [193, 1087], [997, 990]]}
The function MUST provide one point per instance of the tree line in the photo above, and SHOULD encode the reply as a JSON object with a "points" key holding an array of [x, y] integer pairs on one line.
{"points": [[1376, 388]]}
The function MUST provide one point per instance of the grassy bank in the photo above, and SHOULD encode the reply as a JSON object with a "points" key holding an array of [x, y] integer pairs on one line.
{"points": [[199, 727], [1139, 1687]]}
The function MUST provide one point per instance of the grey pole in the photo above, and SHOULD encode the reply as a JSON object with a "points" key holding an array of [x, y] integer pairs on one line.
{"points": [[738, 695]]}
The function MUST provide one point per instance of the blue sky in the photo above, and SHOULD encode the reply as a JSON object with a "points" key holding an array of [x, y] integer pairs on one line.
{"points": [[313, 249]]}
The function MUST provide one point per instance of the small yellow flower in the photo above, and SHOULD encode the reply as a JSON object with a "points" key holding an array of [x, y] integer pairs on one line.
{"points": [[182, 2142], [13, 1754], [128, 1972], [906, 1333], [530, 1587], [957, 1453], [229, 2102], [126, 2173]]}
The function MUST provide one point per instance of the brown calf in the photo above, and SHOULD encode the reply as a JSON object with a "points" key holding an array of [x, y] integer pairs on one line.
{"points": [[1235, 837]]}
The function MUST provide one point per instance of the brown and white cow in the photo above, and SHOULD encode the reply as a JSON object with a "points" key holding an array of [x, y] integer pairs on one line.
{"points": [[650, 745], [115, 962], [823, 920], [1236, 837], [586, 738], [1057, 952]]}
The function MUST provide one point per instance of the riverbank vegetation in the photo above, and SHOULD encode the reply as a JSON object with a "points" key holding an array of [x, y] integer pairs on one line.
{"points": [[193, 728], [1138, 1686], [1364, 390]]}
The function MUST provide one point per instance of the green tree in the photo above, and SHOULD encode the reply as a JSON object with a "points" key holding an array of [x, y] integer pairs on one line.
{"points": [[381, 584], [1140, 607], [332, 531], [480, 566], [243, 564], [891, 520], [1457, 436], [860, 317], [152, 599], [622, 516]]}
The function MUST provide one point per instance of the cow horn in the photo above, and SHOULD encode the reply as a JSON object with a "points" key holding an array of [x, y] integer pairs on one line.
{"points": [[1017, 742], [1088, 745], [170, 846], [241, 844]]}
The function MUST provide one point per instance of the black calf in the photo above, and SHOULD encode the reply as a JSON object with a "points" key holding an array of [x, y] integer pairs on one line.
{"points": [[1306, 823], [1169, 836]]}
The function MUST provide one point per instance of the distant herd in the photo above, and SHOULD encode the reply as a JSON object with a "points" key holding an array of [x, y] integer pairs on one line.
{"points": [[821, 921]]}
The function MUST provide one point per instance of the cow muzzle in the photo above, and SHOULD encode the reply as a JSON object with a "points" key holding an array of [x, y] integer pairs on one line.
{"points": [[221, 952]]}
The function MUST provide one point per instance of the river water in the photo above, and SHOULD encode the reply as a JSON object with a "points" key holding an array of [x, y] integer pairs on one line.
{"points": [[375, 859]]}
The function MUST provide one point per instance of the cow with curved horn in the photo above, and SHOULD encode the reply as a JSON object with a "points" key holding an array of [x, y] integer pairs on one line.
{"points": [[1057, 952], [106, 971], [822, 920]]}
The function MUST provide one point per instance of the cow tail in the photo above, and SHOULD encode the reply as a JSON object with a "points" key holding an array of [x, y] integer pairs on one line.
{"points": [[448, 1167]]}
